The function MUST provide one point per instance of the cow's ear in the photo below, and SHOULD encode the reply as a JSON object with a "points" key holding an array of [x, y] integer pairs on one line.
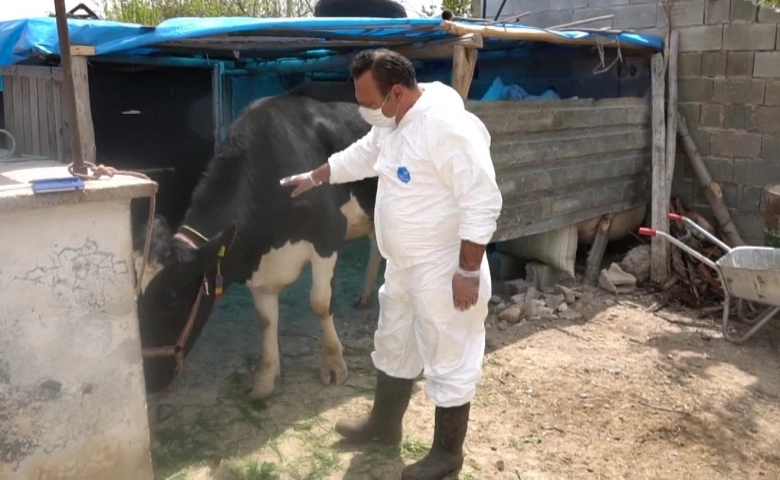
{"points": [[207, 255]]}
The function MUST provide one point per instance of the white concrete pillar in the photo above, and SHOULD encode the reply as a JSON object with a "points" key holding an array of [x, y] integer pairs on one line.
{"points": [[72, 397]]}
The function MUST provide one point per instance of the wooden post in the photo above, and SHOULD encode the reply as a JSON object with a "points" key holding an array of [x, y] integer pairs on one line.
{"points": [[671, 111], [596, 252], [463, 62], [76, 95], [659, 249], [712, 191], [476, 8]]}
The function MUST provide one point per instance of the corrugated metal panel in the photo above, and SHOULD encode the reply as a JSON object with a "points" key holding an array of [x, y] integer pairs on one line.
{"points": [[564, 161]]}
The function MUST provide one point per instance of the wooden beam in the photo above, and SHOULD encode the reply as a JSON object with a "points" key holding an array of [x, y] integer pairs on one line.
{"points": [[463, 62], [596, 252], [671, 111], [32, 71], [85, 134], [82, 50], [659, 249]]}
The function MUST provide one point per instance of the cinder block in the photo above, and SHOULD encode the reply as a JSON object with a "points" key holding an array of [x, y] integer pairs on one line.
{"points": [[750, 225], [690, 111], [756, 173], [702, 139], [770, 147], [701, 39], [713, 64], [743, 11], [767, 64], [689, 65], [735, 117], [634, 16], [764, 119], [682, 188], [721, 169], [543, 276], [684, 14], [772, 95], [749, 36], [742, 91], [727, 143], [716, 11], [504, 266], [768, 15], [740, 64], [553, 18], [606, 3], [749, 198], [711, 115], [586, 13], [567, 4], [694, 89]]}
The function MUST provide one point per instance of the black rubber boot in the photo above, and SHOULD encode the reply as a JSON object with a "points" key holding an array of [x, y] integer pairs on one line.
{"points": [[385, 424], [446, 455]]}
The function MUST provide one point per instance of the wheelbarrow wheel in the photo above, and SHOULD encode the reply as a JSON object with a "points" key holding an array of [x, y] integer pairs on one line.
{"points": [[767, 315]]}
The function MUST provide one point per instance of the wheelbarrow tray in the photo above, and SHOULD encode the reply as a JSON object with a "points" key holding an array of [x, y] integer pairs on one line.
{"points": [[752, 274]]}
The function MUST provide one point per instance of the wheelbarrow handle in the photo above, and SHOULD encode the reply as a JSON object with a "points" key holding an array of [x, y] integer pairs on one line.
{"points": [[652, 232], [679, 218]]}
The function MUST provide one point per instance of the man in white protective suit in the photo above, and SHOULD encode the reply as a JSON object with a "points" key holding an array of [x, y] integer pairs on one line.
{"points": [[436, 209]]}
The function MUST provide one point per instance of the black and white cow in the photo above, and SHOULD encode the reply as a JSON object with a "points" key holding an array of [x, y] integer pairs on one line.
{"points": [[269, 236]]}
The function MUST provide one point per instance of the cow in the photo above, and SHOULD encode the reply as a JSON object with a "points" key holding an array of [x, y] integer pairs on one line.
{"points": [[268, 236]]}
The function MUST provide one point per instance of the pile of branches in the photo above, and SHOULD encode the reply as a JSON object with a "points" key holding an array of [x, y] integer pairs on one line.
{"points": [[693, 283]]}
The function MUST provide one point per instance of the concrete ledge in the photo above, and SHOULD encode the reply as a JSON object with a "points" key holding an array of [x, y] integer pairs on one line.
{"points": [[16, 192]]}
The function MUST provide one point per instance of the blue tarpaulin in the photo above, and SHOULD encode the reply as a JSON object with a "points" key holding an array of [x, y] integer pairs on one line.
{"points": [[20, 38]]}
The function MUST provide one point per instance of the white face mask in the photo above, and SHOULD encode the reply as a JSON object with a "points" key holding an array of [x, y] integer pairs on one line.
{"points": [[376, 117]]}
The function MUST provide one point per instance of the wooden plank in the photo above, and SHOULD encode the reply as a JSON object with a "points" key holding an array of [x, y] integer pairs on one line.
{"points": [[464, 60], [63, 132], [8, 103], [30, 71], [44, 125], [83, 110], [671, 111], [18, 120], [659, 248], [486, 108], [554, 120], [51, 112], [82, 50], [540, 149], [35, 124], [546, 179], [26, 116], [596, 251]]}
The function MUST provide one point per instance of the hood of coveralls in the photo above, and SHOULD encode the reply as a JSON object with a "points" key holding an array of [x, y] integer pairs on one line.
{"points": [[436, 95]]}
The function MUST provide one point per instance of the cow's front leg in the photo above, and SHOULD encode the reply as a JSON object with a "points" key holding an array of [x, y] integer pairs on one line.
{"points": [[269, 365], [333, 367]]}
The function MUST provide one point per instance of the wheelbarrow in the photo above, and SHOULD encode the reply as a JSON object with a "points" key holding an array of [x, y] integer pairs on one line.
{"points": [[746, 274]]}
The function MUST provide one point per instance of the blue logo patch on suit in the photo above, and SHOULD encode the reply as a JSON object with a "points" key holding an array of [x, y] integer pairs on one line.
{"points": [[404, 175]]}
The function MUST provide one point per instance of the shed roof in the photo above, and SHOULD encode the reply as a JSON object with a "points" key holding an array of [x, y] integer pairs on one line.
{"points": [[234, 37]]}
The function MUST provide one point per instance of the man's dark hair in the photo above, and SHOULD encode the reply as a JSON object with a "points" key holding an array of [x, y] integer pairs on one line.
{"points": [[387, 67]]}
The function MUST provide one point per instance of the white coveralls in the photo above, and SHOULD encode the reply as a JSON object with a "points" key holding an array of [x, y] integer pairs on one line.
{"points": [[436, 187]]}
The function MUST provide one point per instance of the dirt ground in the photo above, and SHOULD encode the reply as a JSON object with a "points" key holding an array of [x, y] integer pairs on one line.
{"points": [[622, 393]]}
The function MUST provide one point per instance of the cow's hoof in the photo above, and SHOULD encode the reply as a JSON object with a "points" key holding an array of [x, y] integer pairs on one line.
{"points": [[363, 304], [333, 370], [261, 392]]}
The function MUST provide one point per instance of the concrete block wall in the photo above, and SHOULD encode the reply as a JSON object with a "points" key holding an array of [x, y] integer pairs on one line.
{"points": [[729, 87]]}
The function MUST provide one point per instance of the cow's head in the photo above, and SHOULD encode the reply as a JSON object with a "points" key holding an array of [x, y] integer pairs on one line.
{"points": [[175, 270]]}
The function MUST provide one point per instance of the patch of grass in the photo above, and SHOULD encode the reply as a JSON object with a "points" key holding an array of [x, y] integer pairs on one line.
{"points": [[494, 361], [237, 470], [414, 449], [529, 440], [479, 401]]}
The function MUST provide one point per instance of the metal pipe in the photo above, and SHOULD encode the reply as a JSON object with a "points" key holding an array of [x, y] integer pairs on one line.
{"points": [[68, 91]]}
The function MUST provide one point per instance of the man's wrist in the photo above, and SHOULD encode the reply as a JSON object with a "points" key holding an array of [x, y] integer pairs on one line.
{"points": [[321, 174], [471, 255]]}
